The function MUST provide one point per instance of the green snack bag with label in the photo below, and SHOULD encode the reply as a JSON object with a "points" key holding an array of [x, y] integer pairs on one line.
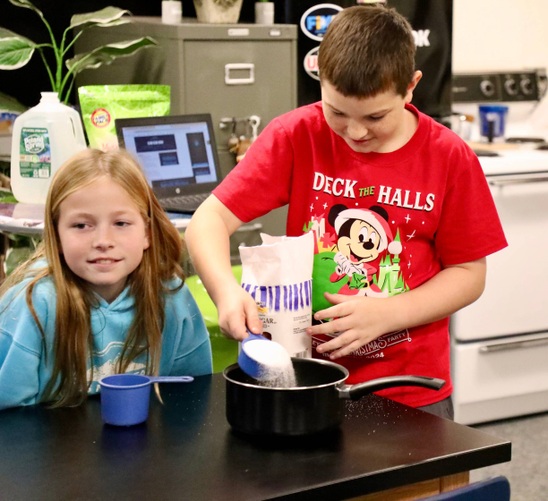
{"points": [[101, 105]]}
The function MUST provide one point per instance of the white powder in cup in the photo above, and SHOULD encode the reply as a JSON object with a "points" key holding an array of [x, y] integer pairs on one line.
{"points": [[275, 362]]}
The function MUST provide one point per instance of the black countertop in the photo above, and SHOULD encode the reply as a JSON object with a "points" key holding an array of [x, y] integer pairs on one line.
{"points": [[186, 450]]}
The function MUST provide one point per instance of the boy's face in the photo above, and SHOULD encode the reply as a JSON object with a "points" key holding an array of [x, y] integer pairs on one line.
{"points": [[377, 124]]}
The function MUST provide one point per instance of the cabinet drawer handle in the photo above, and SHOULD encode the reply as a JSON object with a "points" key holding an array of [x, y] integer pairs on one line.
{"points": [[525, 178], [233, 72], [514, 345]]}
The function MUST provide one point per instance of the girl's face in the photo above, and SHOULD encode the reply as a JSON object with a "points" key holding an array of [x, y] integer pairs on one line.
{"points": [[103, 236], [377, 124]]}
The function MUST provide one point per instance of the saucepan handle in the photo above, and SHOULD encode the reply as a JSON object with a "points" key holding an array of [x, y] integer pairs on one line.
{"points": [[356, 391]]}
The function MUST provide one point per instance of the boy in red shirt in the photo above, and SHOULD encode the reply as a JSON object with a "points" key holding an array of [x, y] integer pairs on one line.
{"points": [[400, 209]]}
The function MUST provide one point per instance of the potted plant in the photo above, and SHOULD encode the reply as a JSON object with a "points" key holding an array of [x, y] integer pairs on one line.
{"points": [[218, 11], [16, 50]]}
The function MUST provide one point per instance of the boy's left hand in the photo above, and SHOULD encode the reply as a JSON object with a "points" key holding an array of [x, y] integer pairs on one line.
{"points": [[358, 320]]}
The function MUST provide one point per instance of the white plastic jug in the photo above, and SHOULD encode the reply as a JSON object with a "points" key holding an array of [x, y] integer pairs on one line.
{"points": [[43, 138]]}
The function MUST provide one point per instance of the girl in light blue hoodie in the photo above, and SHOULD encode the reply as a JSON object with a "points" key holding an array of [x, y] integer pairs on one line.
{"points": [[103, 294]]}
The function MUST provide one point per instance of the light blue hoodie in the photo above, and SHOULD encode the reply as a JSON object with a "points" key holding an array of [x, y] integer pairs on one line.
{"points": [[26, 362]]}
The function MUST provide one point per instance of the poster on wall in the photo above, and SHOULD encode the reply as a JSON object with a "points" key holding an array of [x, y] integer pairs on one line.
{"points": [[312, 18]]}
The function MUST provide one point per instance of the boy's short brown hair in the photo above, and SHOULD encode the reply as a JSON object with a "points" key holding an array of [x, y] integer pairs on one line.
{"points": [[367, 50]]}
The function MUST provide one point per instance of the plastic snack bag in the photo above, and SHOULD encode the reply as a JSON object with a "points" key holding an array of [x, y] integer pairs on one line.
{"points": [[100, 105], [278, 275]]}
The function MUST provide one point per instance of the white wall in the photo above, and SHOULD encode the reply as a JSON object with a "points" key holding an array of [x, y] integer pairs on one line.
{"points": [[493, 35]]}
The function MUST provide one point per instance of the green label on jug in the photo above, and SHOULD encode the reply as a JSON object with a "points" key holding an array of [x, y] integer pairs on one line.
{"points": [[35, 153]]}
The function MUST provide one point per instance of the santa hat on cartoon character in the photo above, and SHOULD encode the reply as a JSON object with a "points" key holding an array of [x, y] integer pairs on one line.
{"points": [[377, 218]]}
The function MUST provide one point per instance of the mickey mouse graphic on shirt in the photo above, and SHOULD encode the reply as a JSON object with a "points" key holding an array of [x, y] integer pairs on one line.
{"points": [[362, 235], [351, 267], [358, 254]]}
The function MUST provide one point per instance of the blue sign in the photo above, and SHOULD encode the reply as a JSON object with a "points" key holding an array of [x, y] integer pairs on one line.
{"points": [[314, 21]]}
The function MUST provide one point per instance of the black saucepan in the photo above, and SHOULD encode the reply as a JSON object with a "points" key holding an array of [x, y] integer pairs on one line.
{"points": [[315, 404]]}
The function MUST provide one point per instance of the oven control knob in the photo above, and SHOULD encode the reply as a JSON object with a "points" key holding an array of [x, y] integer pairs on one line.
{"points": [[511, 86], [526, 86], [487, 88]]}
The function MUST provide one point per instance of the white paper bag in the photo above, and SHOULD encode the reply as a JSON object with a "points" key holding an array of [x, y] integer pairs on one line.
{"points": [[278, 275]]}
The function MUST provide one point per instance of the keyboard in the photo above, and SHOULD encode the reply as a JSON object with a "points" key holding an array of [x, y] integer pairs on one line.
{"points": [[183, 203]]}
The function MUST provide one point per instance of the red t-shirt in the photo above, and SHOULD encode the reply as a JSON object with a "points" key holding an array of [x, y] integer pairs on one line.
{"points": [[384, 223]]}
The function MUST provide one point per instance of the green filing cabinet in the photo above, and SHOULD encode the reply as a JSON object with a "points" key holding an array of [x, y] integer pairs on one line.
{"points": [[228, 70]]}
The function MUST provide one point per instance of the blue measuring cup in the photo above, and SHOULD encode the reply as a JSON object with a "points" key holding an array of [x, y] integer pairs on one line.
{"points": [[246, 362], [259, 367], [125, 398]]}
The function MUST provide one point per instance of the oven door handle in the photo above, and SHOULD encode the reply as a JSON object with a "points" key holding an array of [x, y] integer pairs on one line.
{"points": [[526, 177], [514, 345]]}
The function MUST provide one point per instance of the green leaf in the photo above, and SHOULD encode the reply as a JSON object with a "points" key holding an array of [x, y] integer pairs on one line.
{"points": [[107, 53], [27, 5], [116, 22], [109, 16], [15, 50], [10, 104], [6, 197]]}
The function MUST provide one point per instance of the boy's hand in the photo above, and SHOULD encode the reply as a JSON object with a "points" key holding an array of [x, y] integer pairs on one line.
{"points": [[361, 319], [238, 311], [358, 320]]}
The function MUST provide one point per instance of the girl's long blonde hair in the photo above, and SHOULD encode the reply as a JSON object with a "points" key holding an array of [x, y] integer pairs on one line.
{"points": [[161, 262]]}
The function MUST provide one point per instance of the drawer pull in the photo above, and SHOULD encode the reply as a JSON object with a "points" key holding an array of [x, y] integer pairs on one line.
{"points": [[525, 178], [234, 72], [513, 345]]}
